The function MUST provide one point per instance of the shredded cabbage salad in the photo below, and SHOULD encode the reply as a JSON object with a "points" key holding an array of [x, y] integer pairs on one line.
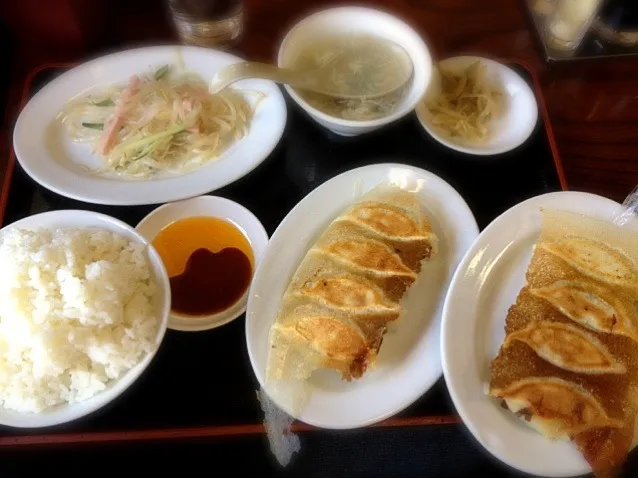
{"points": [[166, 121]]}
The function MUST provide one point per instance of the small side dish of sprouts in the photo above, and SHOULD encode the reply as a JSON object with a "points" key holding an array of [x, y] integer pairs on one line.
{"points": [[163, 122], [467, 104]]}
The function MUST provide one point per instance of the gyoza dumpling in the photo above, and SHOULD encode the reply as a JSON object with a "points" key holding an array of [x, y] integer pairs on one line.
{"points": [[349, 286]]}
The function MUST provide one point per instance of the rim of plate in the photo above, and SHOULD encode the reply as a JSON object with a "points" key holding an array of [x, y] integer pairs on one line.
{"points": [[417, 392], [67, 413], [165, 185], [479, 151], [449, 352], [258, 241]]}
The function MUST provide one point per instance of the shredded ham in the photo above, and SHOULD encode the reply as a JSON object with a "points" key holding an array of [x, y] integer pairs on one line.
{"points": [[119, 115], [188, 104], [151, 126], [191, 91]]}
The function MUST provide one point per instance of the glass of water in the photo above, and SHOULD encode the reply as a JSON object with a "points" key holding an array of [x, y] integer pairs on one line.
{"points": [[569, 21], [208, 23]]}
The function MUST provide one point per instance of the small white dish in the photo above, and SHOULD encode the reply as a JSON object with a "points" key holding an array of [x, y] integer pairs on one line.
{"points": [[484, 286], [47, 153], [67, 413], [509, 131], [409, 359], [212, 206], [359, 20]]}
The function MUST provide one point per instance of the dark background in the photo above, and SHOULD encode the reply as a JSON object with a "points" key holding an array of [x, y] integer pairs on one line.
{"points": [[593, 111]]}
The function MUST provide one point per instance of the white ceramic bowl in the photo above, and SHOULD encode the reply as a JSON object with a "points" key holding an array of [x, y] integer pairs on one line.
{"points": [[515, 125], [67, 413], [359, 20], [221, 208]]}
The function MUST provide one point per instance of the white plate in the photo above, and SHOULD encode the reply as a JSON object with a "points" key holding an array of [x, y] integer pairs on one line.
{"points": [[67, 413], [221, 208], [409, 361], [48, 155], [485, 285], [515, 125]]}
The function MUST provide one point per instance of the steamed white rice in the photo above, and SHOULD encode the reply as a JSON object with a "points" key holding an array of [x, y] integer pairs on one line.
{"points": [[77, 310]]}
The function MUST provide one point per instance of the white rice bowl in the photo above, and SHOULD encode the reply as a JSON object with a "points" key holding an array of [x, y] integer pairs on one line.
{"points": [[79, 312]]}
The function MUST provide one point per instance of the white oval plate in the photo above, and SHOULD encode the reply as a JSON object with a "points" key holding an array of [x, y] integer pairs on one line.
{"points": [[485, 285], [409, 361], [509, 131], [69, 412], [46, 152], [221, 208]]}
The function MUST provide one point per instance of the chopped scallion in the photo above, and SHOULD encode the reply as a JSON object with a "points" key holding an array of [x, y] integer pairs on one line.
{"points": [[161, 73], [99, 126], [106, 102]]}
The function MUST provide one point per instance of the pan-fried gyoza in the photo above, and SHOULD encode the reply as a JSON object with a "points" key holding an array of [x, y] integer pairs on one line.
{"points": [[569, 363], [348, 287]]}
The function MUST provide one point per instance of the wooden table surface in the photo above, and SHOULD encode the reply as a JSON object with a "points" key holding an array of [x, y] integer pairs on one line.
{"points": [[593, 105]]}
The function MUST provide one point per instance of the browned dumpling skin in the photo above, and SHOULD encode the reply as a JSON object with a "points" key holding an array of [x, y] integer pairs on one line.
{"points": [[569, 362], [596, 260], [327, 333], [372, 256], [556, 407], [591, 306], [349, 287], [349, 294], [605, 449], [568, 347], [389, 221]]}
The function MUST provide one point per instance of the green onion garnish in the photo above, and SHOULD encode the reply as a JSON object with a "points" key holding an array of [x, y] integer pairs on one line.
{"points": [[161, 73], [106, 102], [99, 126]]}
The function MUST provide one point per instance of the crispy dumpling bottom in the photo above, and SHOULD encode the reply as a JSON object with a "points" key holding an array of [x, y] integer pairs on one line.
{"points": [[557, 408]]}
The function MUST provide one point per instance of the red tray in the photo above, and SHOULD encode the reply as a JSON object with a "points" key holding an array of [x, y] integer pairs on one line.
{"points": [[532, 169]]}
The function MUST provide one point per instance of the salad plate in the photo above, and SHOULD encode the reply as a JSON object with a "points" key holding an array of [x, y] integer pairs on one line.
{"points": [[49, 154]]}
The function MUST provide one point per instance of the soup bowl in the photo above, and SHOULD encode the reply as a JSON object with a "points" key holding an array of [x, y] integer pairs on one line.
{"points": [[358, 21]]}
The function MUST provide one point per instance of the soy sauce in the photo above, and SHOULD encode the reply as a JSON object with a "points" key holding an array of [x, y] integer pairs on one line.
{"points": [[209, 262], [211, 282]]}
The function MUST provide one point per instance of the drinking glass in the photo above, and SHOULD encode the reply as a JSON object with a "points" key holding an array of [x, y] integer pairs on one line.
{"points": [[569, 21], [208, 23]]}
